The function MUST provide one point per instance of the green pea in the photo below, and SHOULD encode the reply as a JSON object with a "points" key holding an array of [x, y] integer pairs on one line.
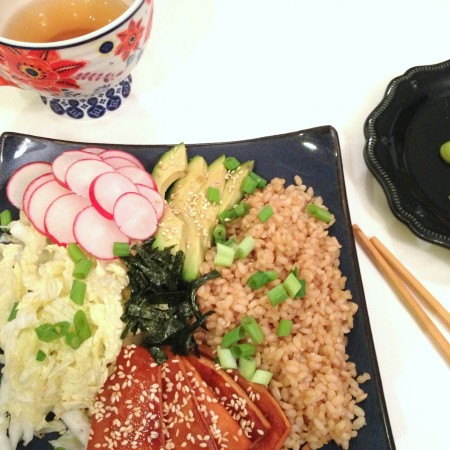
{"points": [[445, 152]]}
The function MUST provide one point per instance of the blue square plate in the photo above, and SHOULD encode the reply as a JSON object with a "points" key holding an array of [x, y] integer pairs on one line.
{"points": [[314, 154]]}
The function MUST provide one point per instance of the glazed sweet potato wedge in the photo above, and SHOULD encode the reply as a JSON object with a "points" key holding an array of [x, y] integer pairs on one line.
{"points": [[275, 438], [280, 427], [183, 424], [128, 411], [223, 427], [233, 398]]}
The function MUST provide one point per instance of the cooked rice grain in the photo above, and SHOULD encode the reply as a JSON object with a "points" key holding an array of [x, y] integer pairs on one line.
{"points": [[313, 380]]}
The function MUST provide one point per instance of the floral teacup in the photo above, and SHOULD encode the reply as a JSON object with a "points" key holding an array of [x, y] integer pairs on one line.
{"points": [[82, 77]]}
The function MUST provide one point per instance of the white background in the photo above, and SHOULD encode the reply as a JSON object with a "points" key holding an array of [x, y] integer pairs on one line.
{"points": [[236, 69]]}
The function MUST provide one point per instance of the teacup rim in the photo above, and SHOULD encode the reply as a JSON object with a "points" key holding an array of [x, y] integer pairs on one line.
{"points": [[85, 38]]}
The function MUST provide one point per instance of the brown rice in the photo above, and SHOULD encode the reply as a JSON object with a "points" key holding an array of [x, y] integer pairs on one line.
{"points": [[314, 381]]}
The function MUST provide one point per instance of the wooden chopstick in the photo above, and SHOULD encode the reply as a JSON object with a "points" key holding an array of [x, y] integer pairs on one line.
{"points": [[413, 283], [396, 281]]}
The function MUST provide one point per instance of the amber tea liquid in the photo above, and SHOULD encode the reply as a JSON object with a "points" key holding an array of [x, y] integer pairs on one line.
{"points": [[58, 20]]}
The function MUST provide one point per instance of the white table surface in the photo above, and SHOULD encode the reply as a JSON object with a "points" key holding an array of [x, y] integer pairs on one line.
{"points": [[236, 69]]}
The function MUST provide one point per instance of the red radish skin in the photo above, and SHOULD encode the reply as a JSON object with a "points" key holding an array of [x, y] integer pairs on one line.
{"points": [[118, 161], [60, 216], [123, 154], [135, 216], [80, 174], [21, 178], [41, 199], [32, 186], [63, 161], [138, 175], [154, 197], [106, 189], [96, 234]]}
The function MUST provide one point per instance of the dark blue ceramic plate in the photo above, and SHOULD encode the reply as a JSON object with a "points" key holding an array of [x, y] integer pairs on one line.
{"points": [[314, 154], [404, 134]]}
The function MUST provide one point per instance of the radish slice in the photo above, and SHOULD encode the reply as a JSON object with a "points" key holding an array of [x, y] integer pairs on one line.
{"points": [[96, 234], [60, 216], [80, 174], [138, 175], [32, 186], [41, 199], [93, 150], [154, 197], [122, 154], [118, 161], [21, 178], [135, 216], [106, 189], [63, 161]]}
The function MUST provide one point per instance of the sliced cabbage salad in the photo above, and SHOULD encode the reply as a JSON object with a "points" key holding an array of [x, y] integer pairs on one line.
{"points": [[35, 288]]}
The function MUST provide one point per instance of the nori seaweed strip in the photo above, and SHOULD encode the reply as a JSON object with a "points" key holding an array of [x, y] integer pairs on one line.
{"points": [[162, 303]]}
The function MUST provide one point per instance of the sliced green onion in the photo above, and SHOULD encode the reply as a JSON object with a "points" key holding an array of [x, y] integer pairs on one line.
{"points": [[247, 367], [47, 332], [75, 252], [241, 209], [220, 233], [233, 336], [260, 181], [231, 243], [253, 330], [265, 213], [248, 185], [78, 292], [301, 293], [245, 247], [224, 255], [5, 218], [259, 279], [13, 313], [40, 355], [244, 349], [121, 249], [62, 328], [231, 163], [73, 340], [82, 268], [213, 195], [277, 295], [318, 212], [284, 327], [292, 285], [226, 359], [227, 216], [262, 377], [82, 325]]}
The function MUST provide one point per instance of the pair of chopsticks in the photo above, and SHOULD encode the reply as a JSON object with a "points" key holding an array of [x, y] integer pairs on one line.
{"points": [[404, 283]]}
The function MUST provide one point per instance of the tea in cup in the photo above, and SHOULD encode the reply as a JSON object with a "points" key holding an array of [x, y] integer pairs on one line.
{"points": [[76, 54]]}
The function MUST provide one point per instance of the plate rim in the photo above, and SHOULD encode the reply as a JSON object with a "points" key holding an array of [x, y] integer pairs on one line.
{"points": [[373, 140]]}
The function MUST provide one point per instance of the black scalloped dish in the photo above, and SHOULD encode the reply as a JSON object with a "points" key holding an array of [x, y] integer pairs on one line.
{"points": [[403, 137]]}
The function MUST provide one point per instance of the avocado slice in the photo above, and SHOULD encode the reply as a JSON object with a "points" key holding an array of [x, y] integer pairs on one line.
{"points": [[232, 193], [181, 193], [170, 232], [171, 166]]}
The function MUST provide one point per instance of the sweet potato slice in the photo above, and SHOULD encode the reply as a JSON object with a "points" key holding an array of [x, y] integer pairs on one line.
{"points": [[224, 429], [280, 428], [183, 424], [128, 408], [275, 438], [233, 398]]}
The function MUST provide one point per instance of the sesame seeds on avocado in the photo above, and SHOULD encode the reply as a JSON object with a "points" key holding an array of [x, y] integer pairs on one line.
{"points": [[171, 166]]}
